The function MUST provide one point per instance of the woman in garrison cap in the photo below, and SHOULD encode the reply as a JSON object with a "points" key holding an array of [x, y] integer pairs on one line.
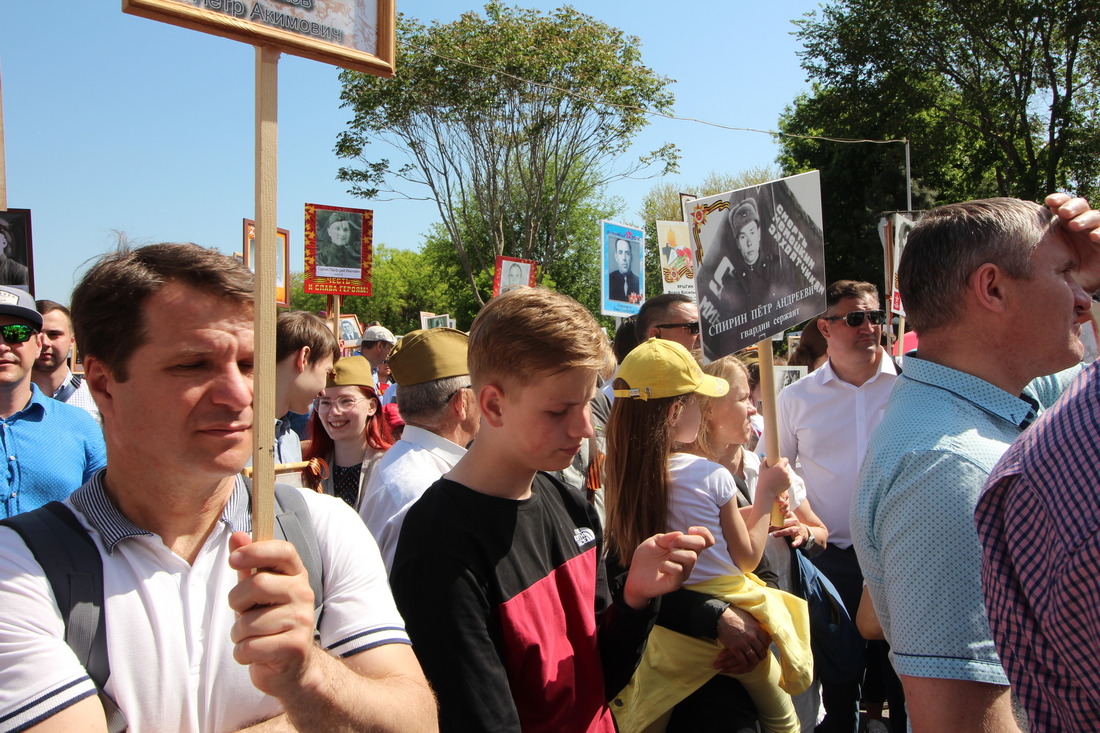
{"points": [[347, 429]]}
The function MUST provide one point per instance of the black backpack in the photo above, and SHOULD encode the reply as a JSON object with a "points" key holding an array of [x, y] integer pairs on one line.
{"points": [[73, 567]]}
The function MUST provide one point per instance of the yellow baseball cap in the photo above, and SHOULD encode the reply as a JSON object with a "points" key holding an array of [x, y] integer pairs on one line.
{"points": [[661, 368], [351, 371]]}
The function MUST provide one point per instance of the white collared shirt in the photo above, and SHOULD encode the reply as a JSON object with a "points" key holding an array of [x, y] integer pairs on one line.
{"points": [[825, 426], [406, 471], [169, 623]]}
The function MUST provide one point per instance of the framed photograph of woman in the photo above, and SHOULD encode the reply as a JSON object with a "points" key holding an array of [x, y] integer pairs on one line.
{"points": [[16, 264], [512, 273], [282, 259], [338, 250]]}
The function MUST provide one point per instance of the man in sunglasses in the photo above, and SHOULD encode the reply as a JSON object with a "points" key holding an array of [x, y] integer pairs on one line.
{"points": [[671, 316], [51, 448], [825, 424], [997, 290]]}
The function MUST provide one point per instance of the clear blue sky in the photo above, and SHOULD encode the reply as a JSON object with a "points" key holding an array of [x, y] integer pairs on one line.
{"points": [[117, 123]]}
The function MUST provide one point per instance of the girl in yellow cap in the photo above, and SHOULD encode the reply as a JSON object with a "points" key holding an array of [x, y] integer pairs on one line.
{"points": [[652, 485]]}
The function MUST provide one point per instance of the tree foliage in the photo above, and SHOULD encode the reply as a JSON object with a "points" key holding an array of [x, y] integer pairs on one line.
{"points": [[507, 161], [996, 99], [403, 284]]}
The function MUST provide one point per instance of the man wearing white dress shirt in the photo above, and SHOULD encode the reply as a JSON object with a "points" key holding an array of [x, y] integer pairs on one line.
{"points": [[825, 423], [441, 418]]}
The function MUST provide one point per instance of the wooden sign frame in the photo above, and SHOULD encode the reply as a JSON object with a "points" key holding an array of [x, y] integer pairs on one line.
{"points": [[232, 19], [356, 281], [282, 260]]}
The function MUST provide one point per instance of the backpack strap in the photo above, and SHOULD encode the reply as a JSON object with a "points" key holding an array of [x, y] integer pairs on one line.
{"points": [[294, 524], [72, 565]]}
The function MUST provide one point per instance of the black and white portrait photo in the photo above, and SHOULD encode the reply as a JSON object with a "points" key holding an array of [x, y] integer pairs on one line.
{"points": [[515, 275], [339, 244], [622, 281], [15, 254]]}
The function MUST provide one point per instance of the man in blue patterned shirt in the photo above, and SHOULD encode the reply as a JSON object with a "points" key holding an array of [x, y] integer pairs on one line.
{"points": [[994, 289]]}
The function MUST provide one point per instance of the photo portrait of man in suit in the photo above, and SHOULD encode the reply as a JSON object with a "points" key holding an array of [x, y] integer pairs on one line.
{"points": [[622, 282]]}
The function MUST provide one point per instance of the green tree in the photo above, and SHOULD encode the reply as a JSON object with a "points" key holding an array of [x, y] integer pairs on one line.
{"points": [[403, 284], [996, 99], [506, 160]]}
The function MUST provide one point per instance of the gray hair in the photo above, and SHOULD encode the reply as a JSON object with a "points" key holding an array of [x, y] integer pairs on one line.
{"points": [[426, 403], [950, 242]]}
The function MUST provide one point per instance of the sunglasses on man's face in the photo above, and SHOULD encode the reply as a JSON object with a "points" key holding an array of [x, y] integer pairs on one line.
{"points": [[855, 318], [692, 327], [16, 333]]}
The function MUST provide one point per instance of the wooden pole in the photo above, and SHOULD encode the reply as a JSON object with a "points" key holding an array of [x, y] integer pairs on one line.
{"points": [[263, 401], [771, 420], [901, 337], [335, 313], [3, 164]]}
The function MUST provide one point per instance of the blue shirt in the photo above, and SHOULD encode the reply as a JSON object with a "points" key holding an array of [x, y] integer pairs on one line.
{"points": [[912, 518], [50, 449]]}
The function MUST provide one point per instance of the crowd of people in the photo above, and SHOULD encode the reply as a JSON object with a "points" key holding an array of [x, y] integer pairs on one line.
{"points": [[532, 528]]}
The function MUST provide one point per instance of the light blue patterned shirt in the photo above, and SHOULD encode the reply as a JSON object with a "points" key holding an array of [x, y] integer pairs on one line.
{"points": [[912, 517]]}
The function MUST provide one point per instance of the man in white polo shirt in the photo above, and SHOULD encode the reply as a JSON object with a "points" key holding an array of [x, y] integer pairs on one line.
{"points": [[206, 631], [825, 422], [441, 418]]}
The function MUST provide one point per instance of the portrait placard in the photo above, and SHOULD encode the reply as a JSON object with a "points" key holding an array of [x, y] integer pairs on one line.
{"points": [[351, 332], [282, 259], [761, 261], [443, 320], [512, 272], [338, 250], [677, 259], [785, 376], [350, 34], [622, 254], [894, 231], [16, 261]]}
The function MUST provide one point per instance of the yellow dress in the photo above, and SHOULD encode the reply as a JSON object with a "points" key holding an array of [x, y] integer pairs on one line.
{"points": [[675, 665]]}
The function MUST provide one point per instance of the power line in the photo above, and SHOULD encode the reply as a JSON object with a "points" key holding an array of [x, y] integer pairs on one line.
{"points": [[649, 112]]}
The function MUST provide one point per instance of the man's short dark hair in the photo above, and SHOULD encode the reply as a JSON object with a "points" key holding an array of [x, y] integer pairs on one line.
{"points": [[842, 289], [655, 310], [49, 306], [109, 302], [295, 329], [950, 242]]}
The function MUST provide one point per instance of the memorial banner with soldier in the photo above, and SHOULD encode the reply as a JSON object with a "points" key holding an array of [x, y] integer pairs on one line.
{"points": [[761, 255]]}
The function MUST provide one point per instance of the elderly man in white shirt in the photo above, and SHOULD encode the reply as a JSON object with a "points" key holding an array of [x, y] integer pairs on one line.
{"points": [[441, 418], [825, 423]]}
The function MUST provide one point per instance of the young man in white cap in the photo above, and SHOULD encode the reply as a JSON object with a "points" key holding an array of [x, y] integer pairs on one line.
{"points": [[50, 447]]}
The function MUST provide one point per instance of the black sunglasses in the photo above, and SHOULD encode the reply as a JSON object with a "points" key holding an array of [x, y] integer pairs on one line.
{"points": [[693, 326], [855, 318], [17, 333]]}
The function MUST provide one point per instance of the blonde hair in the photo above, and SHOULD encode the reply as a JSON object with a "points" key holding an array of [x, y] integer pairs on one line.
{"points": [[528, 334], [728, 368]]}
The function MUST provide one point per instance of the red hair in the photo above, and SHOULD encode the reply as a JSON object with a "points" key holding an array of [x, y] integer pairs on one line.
{"points": [[378, 433]]}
